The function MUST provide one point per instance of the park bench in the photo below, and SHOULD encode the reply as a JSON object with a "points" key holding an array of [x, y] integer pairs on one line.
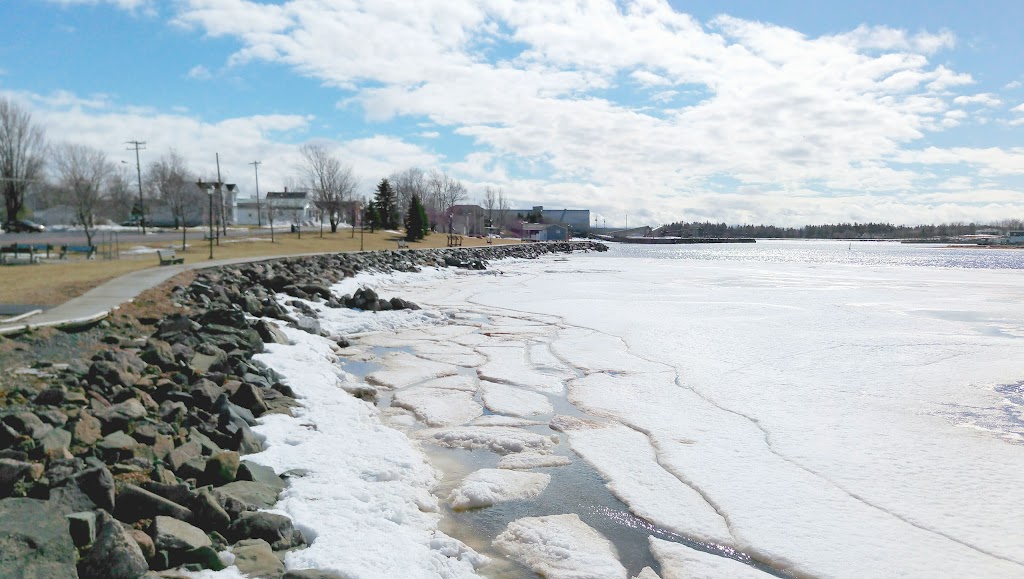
{"points": [[403, 244], [88, 250], [167, 257], [454, 240], [32, 250]]}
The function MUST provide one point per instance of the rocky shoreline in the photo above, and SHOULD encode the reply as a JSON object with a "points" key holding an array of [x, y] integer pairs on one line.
{"points": [[130, 463]]}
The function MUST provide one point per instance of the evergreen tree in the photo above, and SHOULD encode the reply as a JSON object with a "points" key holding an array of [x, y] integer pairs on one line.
{"points": [[370, 217], [425, 220], [414, 221], [386, 204]]}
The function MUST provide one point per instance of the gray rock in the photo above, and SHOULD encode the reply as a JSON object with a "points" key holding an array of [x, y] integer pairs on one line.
{"points": [[117, 445], [82, 526], [209, 514], [53, 396], [120, 415], [255, 558], [262, 474], [114, 555], [270, 332], [241, 496], [88, 429], [159, 353], [35, 540], [274, 529], [98, 484], [248, 396], [172, 535], [222, 468], [183, 453], [11, 471], [134, 503], [28, 424], [55, 444], [208, 358], [71, 499]]}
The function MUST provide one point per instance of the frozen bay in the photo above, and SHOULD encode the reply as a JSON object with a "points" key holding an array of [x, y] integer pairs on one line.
{"points": [[826, 409]]}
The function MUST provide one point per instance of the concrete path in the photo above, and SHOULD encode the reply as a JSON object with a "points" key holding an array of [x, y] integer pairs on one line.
{"points": [[98, 302]]}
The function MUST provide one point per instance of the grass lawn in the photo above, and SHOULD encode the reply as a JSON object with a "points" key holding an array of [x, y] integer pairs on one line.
{"points": [[56, 281]]}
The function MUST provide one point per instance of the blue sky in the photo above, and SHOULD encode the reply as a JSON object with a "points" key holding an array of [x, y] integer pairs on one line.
{"points": [[743, 112]]}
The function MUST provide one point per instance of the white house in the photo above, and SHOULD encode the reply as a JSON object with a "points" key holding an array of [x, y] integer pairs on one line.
{"points": [[286, 207]]}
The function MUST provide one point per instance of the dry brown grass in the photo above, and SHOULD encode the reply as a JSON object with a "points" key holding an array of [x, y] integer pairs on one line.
{"points": [[54, 282]]}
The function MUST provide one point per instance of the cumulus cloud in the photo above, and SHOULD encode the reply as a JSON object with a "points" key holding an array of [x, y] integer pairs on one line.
{"points": [[984, 99], [199, 72], [611, 105]]}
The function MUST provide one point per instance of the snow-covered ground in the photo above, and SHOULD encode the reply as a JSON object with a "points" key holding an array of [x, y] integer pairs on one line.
{"points": [[821, 413]]}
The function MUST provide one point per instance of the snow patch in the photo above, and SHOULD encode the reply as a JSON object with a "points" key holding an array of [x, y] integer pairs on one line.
{"points": [[681, 562], [560, 547], [514, 401]]}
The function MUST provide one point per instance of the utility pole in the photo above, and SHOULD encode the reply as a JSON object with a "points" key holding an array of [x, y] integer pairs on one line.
{"points": [[137, 145], [259, 218]]}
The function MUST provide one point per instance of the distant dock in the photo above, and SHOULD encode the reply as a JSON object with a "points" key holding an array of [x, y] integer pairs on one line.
{"points": [[673, 240]]}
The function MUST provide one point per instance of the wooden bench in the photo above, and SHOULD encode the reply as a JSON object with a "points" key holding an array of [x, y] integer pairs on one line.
{"points": [[88, 250], [29, 249], [403, 244], [454, 240], [167, 257]]}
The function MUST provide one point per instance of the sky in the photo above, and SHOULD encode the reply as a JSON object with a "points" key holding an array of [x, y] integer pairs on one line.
{"points": [[744, 112]]}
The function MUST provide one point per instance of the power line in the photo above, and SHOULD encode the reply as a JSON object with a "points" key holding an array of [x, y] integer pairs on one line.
{"points": [[137, 145]]}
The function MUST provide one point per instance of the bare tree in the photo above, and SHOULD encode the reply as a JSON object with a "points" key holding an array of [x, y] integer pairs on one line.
{"points": [[502, 208], [171, 181], [270, 203], [329, 180], [411, 181], [444, 192], [490, 202], [22, 155], [83, 172], [120, 194]]}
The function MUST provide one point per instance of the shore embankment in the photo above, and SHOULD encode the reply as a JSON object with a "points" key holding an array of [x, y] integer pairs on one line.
{"points": [[123, 453]]}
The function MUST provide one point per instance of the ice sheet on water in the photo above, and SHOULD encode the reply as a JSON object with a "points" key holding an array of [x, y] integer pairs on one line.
{"points": [[513, 401], [438, 406], [543, 360], [508, 365], [499, 420], [681, 562], [490, 486], [448, 352], [626, 459], [403, 369], [456, 382], [560, 547], [365, 495], [499, 439], [593, 351], [528, 460], [647, 573]]}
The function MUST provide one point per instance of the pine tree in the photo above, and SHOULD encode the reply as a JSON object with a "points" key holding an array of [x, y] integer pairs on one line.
{"points": [[414, 220], [385, 202], [424, 220], [370, 217]]}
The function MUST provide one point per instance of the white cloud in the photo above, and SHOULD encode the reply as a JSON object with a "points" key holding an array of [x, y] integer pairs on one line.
{"points": [[122, 4], [986, 99], [429, 134], [1018, 109], [199, 72], [614, 104], [1013, 84]]}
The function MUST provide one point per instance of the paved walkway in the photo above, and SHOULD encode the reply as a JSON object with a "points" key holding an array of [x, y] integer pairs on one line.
{"points": [[98, 302]]}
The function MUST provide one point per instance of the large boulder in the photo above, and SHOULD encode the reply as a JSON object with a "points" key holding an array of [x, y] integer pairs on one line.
{"points": [[176, 536], [255, 558], [35, 540], [274, 529], [114, 555]]}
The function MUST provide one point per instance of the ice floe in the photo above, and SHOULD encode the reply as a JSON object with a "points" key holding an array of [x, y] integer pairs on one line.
{"points": [[528, 460], [681, 562], [438, 406], [403, 369], [490, 486], [560, 547], [499, 439], [508, 365], [514, 401]]}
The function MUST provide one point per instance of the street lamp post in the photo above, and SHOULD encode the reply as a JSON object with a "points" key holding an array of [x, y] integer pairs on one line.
{"points": [[209, 188]]}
